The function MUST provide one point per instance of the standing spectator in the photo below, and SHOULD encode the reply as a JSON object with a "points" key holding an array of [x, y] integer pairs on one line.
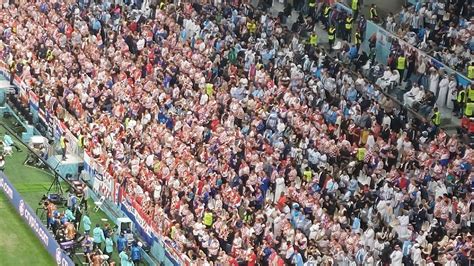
{"points": [[86, 223], [98, 235], [355, 8], [121, 243], [109, 247], [401, 65], [136, 255], [396, 257], [124, 258]]}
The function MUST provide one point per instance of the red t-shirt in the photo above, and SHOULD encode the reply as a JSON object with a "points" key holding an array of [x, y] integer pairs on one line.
{"points": [[252, 259]]}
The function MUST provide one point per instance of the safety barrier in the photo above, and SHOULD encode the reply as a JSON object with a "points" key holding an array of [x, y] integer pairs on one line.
{"points": [[34, 222]]}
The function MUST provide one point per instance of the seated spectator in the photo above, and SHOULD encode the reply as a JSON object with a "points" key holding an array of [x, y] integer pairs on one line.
{"points": [[427, 103], [415, 94]]}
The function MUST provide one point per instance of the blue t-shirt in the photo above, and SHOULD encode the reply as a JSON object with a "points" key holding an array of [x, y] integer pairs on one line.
{"points": [[121, 243], [136, 255]]}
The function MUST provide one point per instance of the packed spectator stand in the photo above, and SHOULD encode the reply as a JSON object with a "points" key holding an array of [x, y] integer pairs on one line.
{"points": [[245, 134], [442, 29]]}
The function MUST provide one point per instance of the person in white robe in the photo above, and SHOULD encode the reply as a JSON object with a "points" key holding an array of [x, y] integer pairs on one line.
{"points": [[452, 92], [384, 81], [409, 97], [416, 254], [396, 256], [443, 91], [434, 80], [279, 188]]}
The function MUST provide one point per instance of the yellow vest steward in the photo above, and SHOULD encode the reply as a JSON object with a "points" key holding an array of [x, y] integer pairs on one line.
{"points": [[326, 11], [355, 4], [437, 119], [308, 175], [357, 38], [401, 63], [470, 72], [312, 3], [469, 109], [460, 98], [348, 23], [62, 142], [373, 13], [252, 27], [470, 94], [360, 154], [80, 141], [331, 33], [313, 39], [207, 219]]}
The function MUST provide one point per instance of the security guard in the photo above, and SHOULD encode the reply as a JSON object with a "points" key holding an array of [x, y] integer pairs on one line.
{"points": [[308, 175], [252, 26], [358, 40], [401, 65], [49, 55], [355, 7], [460, 101], [360, 154], [348, 27], [469, 112], [331, 36], [313, 39], [163, 5], [80, 140], [312, 8], [207, 219], [470, 93], [470, 71], [326, 11], [62, 144], [373, 13], [436, 118]]}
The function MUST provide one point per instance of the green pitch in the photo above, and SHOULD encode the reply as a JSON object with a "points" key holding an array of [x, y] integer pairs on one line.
{"points": [[18, 244]]}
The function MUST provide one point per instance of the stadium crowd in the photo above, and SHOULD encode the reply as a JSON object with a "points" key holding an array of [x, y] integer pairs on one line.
{"points": [[443, 29], [257, 145]]}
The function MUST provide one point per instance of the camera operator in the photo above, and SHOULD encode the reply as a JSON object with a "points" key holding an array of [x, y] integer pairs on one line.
{"points": [[49, 207]]}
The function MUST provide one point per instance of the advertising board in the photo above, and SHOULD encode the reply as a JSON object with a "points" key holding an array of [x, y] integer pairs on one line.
{"points": [[35, 224]]}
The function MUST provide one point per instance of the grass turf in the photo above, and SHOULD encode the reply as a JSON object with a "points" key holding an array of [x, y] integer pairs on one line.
{"points": [[32, 183], [18, 245]]}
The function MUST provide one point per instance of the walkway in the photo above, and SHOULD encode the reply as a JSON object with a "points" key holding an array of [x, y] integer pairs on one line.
{"points": [[448, 120]]}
